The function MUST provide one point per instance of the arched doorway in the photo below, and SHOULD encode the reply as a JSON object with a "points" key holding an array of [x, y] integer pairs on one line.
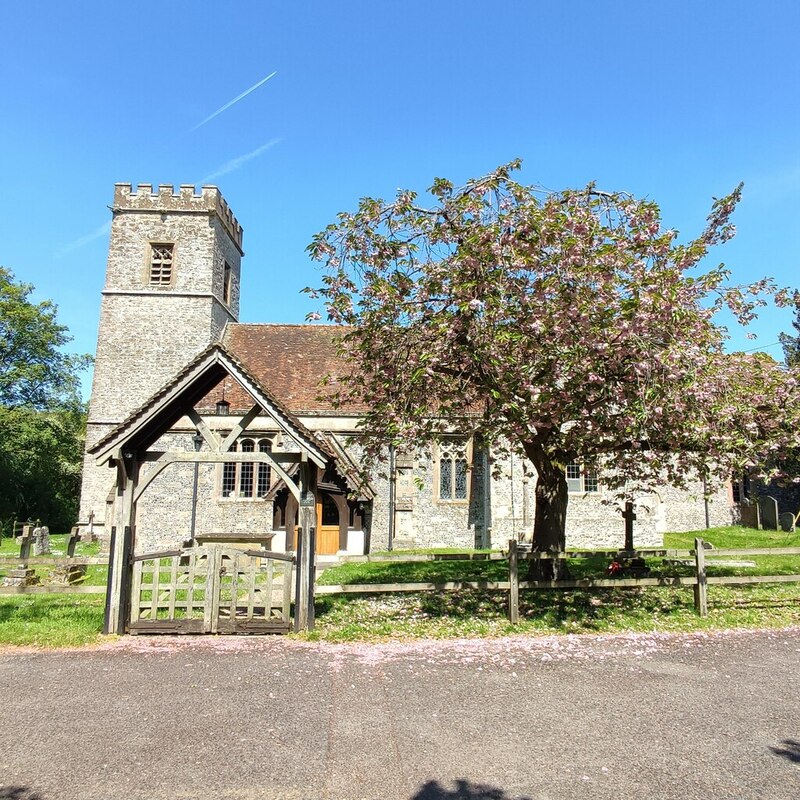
{"points": [[327, 525]]}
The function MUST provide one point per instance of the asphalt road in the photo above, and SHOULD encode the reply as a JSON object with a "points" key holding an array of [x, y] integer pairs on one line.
{"points": [[641, 716]]}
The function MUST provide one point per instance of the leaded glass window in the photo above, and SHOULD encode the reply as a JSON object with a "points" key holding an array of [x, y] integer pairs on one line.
{"points": [[453, 469], [580, 479], [246, 470], [229, 476], [247, 480], [264, 471]]}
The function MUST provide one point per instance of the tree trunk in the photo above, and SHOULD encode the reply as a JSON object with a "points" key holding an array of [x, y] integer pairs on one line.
{"points": [[550, 519]]}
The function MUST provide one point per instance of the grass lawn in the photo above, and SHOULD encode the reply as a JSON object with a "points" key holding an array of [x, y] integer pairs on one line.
{"points": [[70, 620], [469, 613], [51, 620], [95, 573]]}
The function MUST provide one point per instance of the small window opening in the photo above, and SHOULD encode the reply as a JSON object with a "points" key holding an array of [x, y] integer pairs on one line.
{"points": [[226, 284], [160, 264]]}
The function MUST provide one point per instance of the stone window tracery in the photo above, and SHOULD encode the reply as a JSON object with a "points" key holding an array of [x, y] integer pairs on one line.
{"points": [[452, 464]]}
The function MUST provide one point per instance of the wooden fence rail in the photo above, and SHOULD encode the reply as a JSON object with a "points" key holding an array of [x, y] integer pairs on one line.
{"points": [[50, 561], [699, 581]]}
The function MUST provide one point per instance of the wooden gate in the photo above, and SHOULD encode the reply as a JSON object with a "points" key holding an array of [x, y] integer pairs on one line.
{"points": [[211, 589]]}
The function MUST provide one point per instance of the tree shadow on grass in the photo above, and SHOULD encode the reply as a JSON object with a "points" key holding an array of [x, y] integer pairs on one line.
{"points": [[790, 750], [19, 793], [463, 790], [587, 610]]}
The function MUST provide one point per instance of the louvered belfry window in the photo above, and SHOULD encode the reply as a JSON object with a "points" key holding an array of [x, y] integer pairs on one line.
{"points": [[160, 264]]}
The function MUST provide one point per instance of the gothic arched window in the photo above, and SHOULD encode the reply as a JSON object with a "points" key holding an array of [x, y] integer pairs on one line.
{"points": [[452, 469]]}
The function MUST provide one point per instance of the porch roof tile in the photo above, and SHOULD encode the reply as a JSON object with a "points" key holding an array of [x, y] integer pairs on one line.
{"points": [[291, 361]]}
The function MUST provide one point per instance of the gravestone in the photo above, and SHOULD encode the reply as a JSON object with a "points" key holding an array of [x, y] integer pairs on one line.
{"points": [[787, 521], [41, 541], [750, 517], [769, 512], [630, 517], [24, 542], [72, 540]]}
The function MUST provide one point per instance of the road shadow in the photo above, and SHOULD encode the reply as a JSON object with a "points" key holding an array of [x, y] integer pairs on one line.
{"points": [[790, 751], [463, 790], [19, 793]]}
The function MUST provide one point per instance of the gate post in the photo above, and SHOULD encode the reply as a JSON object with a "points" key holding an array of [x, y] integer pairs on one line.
{"points": [[305, 546], [119, 574]]}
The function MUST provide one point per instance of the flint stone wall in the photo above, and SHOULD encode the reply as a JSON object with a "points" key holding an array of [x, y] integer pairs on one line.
{"points": [[148, 333]]}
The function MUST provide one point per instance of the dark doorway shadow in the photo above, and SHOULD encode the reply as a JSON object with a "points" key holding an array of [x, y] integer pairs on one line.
{"points": [[462, 790], [790, 750]]}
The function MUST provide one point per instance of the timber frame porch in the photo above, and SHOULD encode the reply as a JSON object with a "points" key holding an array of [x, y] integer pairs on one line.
{"points": [[127, 447]]}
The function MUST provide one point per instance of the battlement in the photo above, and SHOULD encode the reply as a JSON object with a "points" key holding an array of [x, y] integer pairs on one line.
{"points": [[188, 198]]}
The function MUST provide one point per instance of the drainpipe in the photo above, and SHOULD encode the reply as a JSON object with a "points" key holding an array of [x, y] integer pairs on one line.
{"points": [[392, 491]]}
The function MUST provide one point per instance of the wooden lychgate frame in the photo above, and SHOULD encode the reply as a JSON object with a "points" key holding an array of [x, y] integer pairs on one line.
{"points": [[212, 588], [126, 448]]}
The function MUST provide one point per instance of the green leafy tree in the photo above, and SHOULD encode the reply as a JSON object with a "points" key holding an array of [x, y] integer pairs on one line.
{"points": [[42, 419], [40, 465], [34, 372], [791, 344], [566, 325]]}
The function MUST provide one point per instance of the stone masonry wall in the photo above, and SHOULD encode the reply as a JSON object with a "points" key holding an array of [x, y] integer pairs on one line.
{"points": [[147, 333], [164, 513]]}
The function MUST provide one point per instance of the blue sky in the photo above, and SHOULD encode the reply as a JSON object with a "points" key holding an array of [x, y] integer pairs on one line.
{"points": [[674, 101]]}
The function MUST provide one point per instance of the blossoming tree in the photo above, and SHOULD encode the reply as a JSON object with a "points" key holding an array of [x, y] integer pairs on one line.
{"points": [[570, 326]]}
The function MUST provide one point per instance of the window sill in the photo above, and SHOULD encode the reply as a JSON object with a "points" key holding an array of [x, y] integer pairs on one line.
{"points": [[242, 500]]}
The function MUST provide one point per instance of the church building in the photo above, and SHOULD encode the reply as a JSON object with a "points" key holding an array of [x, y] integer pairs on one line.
{"points": [[221, 417]]}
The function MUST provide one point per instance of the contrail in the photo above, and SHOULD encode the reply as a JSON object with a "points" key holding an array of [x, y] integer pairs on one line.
{"points": [[235, 163], [235, 100], [90, 237]]}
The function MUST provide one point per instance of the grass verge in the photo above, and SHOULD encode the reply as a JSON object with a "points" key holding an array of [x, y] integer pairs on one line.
{"points": [[47, 620], [475, 614], [72, 620]]}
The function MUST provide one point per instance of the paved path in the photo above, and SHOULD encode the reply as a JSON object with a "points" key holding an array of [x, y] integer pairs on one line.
{"points": [[639, 716]]}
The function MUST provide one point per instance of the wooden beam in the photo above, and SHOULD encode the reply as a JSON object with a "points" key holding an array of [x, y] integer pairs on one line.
{"points": [[119, 568], [210, 436], [305, 559], [240, 427], [187, 457], [513, 582]]}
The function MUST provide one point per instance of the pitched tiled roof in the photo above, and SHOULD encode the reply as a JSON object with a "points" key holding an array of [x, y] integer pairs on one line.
{"points": [[290, 361], [164, 411]]}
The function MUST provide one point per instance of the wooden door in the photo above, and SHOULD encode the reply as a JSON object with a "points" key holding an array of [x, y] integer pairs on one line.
{"points": [[327, 526]]}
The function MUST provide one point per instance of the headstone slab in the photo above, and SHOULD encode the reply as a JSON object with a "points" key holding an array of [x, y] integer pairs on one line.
{"points": [[41, 541], [769, 512], [787, 521]]}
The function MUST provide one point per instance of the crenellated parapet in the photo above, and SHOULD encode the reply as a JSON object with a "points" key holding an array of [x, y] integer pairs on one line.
{"points": [[188, 198]]}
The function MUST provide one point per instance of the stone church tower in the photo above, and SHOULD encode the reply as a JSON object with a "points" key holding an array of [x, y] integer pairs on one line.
{"points": [[172, 284]]}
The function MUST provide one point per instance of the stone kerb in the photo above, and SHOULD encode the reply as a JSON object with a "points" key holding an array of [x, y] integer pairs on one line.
{"points": [[208, 199]]}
